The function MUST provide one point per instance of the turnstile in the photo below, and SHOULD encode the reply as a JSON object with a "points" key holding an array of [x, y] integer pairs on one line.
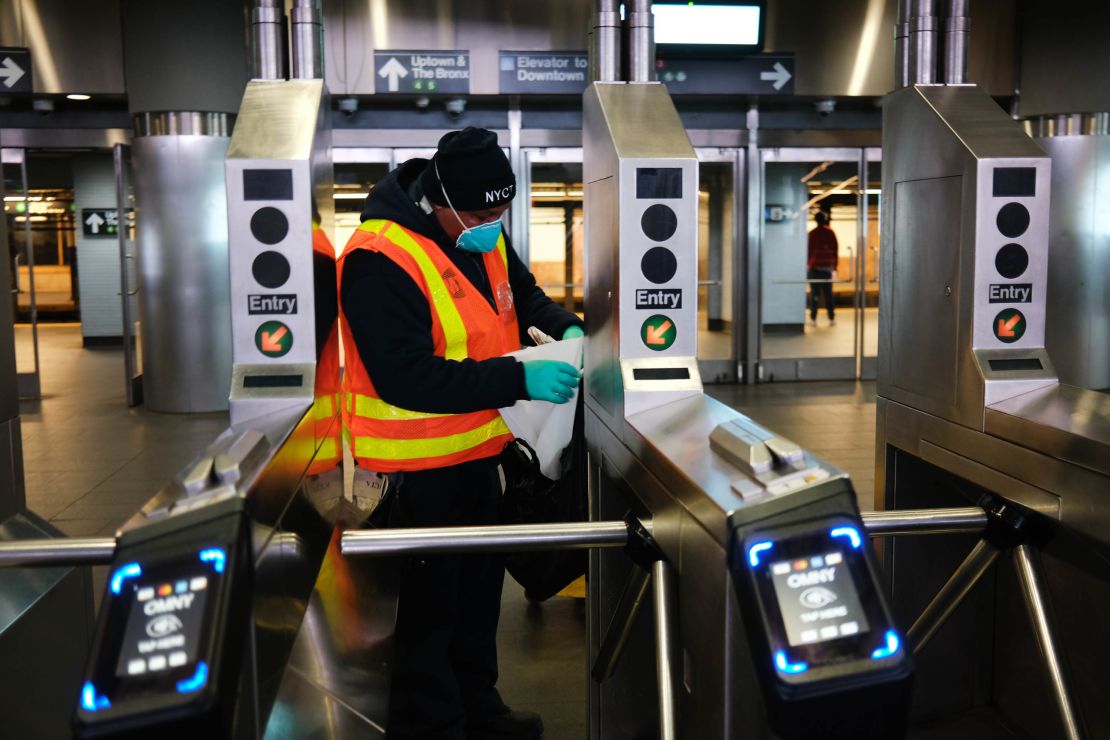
{"points": [[970, 410]]}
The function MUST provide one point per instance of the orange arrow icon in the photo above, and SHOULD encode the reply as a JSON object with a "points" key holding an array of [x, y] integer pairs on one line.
{"points": [[655, 333], [272, 342], [1006, 328]]}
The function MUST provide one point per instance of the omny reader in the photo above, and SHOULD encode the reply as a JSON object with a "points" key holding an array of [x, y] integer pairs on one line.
{"points": [[831, 661], [169, 641]]}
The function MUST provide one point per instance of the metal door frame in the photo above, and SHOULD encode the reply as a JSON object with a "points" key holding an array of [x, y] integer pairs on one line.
{"points": [[729, 369], [125, 212], [868, 367], [29, 385], [853, 367]]}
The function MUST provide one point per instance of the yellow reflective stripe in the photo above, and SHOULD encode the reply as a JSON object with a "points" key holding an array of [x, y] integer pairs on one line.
{"points": [[501, 251], [444, 305], [369, 407], [328, 450], [374, 225], [409, 449], [323, 407]]}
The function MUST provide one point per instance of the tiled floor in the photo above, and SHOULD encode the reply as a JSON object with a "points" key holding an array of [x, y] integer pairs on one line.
{"points": [[90, 462]]}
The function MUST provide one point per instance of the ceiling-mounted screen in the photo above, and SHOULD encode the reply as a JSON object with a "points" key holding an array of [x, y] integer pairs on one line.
{"points": [[720, 28]]}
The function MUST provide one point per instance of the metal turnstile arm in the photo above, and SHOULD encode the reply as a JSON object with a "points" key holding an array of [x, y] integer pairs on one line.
{"points": [[952, 593], [620, 626], [925, 521], [61, 551], [1042, 628], [496, 538]]}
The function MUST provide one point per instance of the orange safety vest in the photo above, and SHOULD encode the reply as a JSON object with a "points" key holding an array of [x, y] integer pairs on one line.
{"points": [[328, 429], [388, 439]]}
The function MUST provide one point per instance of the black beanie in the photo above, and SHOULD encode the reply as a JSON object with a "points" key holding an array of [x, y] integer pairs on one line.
{"points": [[474, 170]]}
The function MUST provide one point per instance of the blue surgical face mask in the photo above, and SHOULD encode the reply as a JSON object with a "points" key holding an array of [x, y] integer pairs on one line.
{"points": [[479, 239]]}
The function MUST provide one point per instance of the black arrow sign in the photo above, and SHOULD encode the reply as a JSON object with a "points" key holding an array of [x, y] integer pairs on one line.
{"points": [[15, 71], [762, 74]]}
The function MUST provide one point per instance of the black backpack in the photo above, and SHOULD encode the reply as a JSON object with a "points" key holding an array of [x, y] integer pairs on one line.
{"points": [[532, 498]]}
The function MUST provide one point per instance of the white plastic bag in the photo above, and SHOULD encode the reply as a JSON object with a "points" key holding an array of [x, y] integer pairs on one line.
{"points": [[546, 426]]}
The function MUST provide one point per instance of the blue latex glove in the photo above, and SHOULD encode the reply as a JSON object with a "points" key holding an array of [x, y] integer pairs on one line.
{"points": [[550, 380], [573, 331]]}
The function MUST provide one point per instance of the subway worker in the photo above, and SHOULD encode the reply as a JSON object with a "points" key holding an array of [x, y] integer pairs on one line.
{"points": [[432, 295]]}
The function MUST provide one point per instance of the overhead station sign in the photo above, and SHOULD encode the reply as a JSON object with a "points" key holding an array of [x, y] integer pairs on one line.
{"points": [[761, 74], [544, 72], [419, 72]]}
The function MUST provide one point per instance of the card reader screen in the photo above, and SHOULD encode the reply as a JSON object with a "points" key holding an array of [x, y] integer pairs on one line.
{"points": [[817, 598], [163, 623]]}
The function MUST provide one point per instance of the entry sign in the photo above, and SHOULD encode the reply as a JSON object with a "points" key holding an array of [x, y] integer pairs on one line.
{"points": [[1009, 325], [273, 339], [761, 74], [544, 72], [418, 72], [99, 222], [658, 332], [15, 71]]}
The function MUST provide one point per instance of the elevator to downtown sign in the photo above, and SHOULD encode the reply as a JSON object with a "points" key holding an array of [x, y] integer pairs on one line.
{"points": [[543, 72]]}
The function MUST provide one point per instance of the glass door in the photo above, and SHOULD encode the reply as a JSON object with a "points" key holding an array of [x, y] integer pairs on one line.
{"points": [[553, 242], [354, 172], [22, 210], [718, 258], [811, 305]]}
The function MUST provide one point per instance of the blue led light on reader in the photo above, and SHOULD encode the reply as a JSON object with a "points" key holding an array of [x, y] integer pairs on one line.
{"points": [[754, 550], [786, 666], [189, 685], [131, 570], [850, 532], [216, 556], [90, 702], [891, 647]]}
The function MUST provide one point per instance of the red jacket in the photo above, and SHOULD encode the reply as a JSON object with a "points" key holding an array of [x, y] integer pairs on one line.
{"points": [[824, 252]]}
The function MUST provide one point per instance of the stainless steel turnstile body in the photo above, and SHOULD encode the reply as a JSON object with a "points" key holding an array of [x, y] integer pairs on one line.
{"points": [[658, 465], [648, 427], [969, 405]]}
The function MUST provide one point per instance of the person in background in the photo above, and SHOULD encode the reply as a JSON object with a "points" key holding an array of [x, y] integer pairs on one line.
{"points": [[821, 264], [432, 295]]}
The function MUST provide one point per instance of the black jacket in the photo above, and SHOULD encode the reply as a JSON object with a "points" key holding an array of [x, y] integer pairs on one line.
{"points": [[391, 320]]}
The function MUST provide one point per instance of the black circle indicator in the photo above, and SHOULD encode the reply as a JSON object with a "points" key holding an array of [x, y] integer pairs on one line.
{"points": [[270, 269], [659, 265], [659, 222], [1013, 220], [269, 225], [1011, 261]]}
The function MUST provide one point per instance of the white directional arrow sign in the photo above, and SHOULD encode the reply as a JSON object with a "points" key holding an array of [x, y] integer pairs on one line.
{"points": [[394, 70], [780, 75], [95, 222], [10, 72]]}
